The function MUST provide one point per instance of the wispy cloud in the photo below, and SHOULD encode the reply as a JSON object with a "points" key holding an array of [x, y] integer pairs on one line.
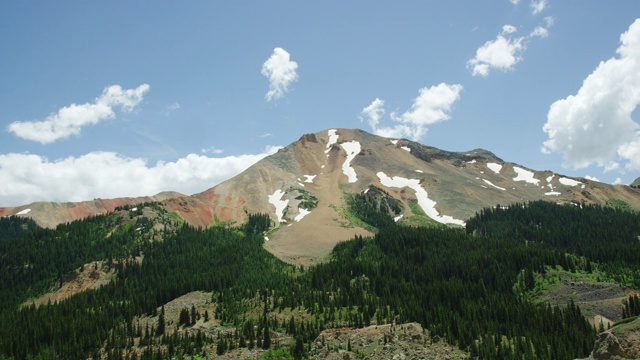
{"points": [[537, 6], [26, 178], [69, 120], [281, 72], [595, 126], [212, 150], [373, 113], [171, 108], [432, 105]]}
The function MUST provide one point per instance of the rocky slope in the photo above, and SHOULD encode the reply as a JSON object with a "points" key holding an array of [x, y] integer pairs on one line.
{"points": [[303, 187], [620, 342]]}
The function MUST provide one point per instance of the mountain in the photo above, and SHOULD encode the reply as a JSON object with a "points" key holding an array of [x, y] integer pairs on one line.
{"points": [[304, 188]]}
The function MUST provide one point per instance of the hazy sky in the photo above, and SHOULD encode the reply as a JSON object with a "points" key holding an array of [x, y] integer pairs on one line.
{"points": [[130, 98]]}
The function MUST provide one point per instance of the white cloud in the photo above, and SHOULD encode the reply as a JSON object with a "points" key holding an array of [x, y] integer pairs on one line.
{"points": [[514, 2], [502, 53], [26, 178], [591, 178], [537, 6], [212, 150], [618, 181], [432, 105], [373, 113], [595, 125], [509, 29], [281, 72], [540, 31], [70, 119], [505, 51]]}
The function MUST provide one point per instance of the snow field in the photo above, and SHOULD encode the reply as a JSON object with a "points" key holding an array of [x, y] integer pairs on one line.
{"points": [[352, 148], [333, 138], [569, 182], [275, 200], [427, 205], [24, 212], [494, 167], [301, 215], [525, 175], [495, 186]]}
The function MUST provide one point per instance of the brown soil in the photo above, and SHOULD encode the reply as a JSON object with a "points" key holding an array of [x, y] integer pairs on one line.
{"points": [[90, 276], [311, 240]]}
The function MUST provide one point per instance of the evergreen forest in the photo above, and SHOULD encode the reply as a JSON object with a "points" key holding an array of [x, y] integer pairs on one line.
{"points": [[465, 285]]}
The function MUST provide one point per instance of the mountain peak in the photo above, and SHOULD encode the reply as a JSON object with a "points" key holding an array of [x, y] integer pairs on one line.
{"points": [[304, 188]]}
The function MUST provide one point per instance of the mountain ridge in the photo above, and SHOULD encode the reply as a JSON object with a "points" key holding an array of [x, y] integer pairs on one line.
{"points": [[320, 169]]}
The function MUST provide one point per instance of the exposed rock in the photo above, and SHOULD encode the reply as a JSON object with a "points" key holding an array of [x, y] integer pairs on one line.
{"points": [[406, 341], [620, 342]]}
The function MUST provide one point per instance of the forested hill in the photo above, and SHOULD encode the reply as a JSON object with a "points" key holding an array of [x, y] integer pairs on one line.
{"points": [[467, 286]]}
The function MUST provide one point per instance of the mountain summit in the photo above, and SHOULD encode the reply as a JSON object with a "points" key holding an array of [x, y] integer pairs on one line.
{"points": [[305, 188]]}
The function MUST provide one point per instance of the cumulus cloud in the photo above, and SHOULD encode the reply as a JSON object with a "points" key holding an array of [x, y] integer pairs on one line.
{"points": [[432, 105], [373, 113], [506, 50], [281, 72], [26, 178], [595, 126], [501, 53], [69, 120], [537, 6], [514, 2], [591, 178]]}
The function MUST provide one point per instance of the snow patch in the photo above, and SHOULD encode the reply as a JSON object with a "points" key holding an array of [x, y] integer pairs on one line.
{"points": [[24, 212], [309, 178], [322, 167], [333, 138], [301, 184], [552, 193], [525, 175], [419, 171], [427, 205], [302, 214], [275, 200], [394, 142], [134, 209], [549, 178], [352, 148], [472, 161], [266, 238], [494, 167], [569, 182], [495, 186], [397, 218], [366, 190], [406, 148]]}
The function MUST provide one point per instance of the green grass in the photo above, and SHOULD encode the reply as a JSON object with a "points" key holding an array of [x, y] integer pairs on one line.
{"points": [[419, 218]]}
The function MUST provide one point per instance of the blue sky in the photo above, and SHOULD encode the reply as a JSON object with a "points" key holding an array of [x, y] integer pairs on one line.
{"points": [[110, 99]]}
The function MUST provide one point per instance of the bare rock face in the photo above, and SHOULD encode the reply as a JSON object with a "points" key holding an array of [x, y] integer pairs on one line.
{"points": [[620, 342]]}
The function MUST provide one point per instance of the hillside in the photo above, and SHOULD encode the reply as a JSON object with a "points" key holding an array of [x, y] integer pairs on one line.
{"points": [[303, 188], [217, 292]]}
